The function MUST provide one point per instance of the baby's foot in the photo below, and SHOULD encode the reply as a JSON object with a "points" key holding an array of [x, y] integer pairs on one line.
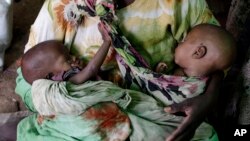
{"points": [[40, 119]]}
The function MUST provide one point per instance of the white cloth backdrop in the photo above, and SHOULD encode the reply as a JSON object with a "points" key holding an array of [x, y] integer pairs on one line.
{"points": [[6, 19]]}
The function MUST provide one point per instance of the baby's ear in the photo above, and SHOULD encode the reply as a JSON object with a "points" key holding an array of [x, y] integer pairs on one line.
{"points": [[199, 52]]}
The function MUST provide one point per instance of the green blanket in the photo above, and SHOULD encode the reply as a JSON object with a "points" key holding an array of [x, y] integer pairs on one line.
{"points": [[86, 112]]}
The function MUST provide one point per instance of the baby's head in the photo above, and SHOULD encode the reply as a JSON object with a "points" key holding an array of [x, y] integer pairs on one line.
{"points": [[206, 49], [49, 57]]}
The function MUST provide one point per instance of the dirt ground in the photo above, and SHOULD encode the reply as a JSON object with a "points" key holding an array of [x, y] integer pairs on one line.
{"points": [[25, 12]]}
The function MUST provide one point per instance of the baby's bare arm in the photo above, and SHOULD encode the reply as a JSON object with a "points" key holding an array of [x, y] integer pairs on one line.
{"points": [[93, 66]]}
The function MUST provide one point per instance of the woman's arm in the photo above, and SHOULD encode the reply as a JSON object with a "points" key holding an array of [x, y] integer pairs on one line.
{"points": [[195, 109], [93, 66]]}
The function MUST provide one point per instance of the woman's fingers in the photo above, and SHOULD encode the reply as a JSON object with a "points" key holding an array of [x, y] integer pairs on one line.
{"points": [[185, 130], [191, 121], [174, 108]]}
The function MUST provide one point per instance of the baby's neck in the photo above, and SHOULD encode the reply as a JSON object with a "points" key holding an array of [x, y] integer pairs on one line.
{"points": [[179, 72]]}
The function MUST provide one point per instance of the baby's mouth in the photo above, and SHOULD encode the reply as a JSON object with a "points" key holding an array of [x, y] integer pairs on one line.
{"points": [[64, 75], [58, 77]]}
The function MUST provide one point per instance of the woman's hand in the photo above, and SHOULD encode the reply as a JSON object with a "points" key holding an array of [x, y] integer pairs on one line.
{"points": [[195, 110]]}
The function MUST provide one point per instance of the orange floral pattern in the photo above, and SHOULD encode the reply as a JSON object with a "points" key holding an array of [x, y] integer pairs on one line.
{"points": [[110, 118], [59, 14]]}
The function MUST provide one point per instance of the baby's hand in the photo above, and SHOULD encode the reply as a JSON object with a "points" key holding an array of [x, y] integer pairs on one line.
{"points": [[161, 67], [76, 62], [104, 32]]}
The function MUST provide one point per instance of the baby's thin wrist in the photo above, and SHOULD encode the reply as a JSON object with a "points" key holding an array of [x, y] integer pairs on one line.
{"points": [[107, 42]]}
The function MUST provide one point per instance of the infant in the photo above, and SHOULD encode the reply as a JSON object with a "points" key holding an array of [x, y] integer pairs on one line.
{"points": [[206, 49]]}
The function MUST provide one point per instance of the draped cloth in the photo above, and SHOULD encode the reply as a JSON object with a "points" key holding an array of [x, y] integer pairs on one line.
{"points": [[138, 116], [168, 89], [87, 112]]}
